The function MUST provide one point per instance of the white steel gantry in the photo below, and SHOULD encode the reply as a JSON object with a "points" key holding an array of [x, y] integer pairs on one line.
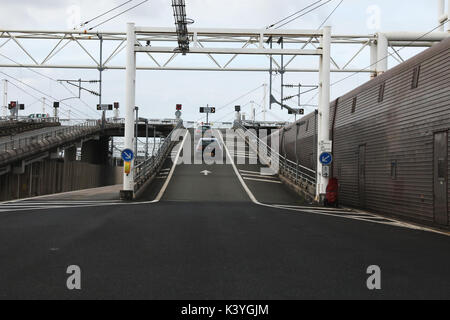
{"points": [[294, 36]]}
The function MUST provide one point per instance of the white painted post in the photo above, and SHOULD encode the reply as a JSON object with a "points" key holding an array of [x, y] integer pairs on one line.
{"points": [[265, 101], [5, 98], [324, 107], [130, 96], [441, 12], [373, 59], [448, 15], [382, 53], [43, 106]]}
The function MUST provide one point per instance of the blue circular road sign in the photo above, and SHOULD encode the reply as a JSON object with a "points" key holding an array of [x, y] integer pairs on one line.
{"points": [[127, 155], [326, 158]]}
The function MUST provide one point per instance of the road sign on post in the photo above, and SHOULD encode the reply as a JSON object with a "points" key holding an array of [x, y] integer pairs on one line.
{"points": [[104, 107], [207, 110], [296, 111], [127, 155], [326, 146], [326, 158]]}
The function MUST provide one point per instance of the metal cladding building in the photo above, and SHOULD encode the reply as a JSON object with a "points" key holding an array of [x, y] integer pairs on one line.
{"points": [[390, 140]]}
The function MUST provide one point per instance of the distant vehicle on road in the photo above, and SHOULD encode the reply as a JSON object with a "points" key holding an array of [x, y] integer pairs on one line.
{"points": [[38, 116], [211, 145], [202, 129]]}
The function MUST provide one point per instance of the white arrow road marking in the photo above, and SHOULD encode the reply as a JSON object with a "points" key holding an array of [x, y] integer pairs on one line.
{"points": [[205, 172]]}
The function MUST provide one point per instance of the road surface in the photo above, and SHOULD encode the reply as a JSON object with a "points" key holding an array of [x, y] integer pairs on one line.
{"points": [[228, 234]]}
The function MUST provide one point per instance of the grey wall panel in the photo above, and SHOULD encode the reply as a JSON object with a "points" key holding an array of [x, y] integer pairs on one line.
{"points": [[398, 130]]}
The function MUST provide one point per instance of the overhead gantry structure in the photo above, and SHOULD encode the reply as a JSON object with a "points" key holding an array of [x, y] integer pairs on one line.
{"points": [[296, 39], [207, 42]]}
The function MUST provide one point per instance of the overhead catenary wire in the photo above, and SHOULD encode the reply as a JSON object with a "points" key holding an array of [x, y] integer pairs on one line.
{"points": [[381, 59], [390, 54], [295, 13], [105, 13], [49, 78], [304, 14], [37, 99], [117, 15], [43, 93], [235, 100]]}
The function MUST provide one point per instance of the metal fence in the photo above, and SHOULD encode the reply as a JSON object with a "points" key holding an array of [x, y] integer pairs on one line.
{"points": [[22, 142], [146, 169], [296, 173]]}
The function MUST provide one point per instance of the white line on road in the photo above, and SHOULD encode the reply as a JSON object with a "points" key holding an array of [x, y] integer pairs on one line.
{"points": [[172, 170], [263, 180]]}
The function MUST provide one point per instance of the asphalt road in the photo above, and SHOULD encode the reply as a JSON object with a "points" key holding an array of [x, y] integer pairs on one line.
{"points": [[206, 239]]}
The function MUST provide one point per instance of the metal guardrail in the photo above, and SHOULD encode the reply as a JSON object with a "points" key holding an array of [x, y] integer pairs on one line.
{"points": [[251, 123], [150, 121], [22, 142], [146, 169], [296, 173]]}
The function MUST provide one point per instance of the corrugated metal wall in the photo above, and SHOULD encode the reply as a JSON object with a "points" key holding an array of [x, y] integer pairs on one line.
{"points": [[306, 141], [395, 137], [51, 176]]}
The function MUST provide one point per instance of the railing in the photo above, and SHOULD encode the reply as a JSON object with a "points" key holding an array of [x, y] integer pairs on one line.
{"points": [[146, 169], [21, 142], [296, 173], [150, 121]]}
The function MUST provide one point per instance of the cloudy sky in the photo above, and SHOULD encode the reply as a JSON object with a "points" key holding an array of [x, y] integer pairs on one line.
{"points": [[159, 91]]}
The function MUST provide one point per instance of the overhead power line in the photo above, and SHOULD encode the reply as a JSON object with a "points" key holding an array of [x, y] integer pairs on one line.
{"points": [[295, 13], [117, 15], [304, 14], [51, 79], [105, 13], [44, 94], [391, 54]]}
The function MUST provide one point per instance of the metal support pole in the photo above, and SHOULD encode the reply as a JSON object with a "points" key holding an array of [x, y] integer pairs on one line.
{"points": [[282, 75], [271, 74], [382, 53], [100, 69], [265, 102], [448, 15], [154, 140], [296, 154], [324, 108], [373, 59], [5, 97], [130, 87], [146, 139], [43, 105], [136, 135], [441, 13]]}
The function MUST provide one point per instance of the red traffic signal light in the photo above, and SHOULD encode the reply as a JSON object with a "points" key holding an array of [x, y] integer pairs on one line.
{"points": [[179, 107], [12, 105]]}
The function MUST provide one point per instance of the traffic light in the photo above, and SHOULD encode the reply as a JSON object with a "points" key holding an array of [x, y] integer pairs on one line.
{"points": [[116, 105], [179, 107], [56, 105], [237, 108], [213, 110], [202, 109], [12, 105], [21, 106]]}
